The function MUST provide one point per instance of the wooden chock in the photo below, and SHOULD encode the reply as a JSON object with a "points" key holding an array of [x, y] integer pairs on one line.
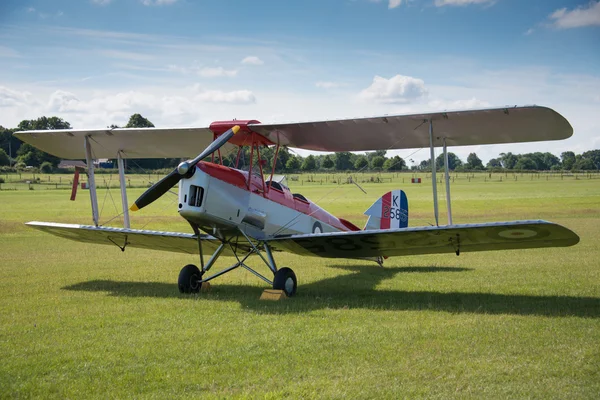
{"points": [[273, 295], [205, 288]]}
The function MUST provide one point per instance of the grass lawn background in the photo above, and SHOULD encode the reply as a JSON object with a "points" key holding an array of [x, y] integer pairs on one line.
{"points": [[83, 321]]}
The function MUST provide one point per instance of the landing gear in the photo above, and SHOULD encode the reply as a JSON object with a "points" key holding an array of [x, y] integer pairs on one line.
{"points": [[189, 279], [285, 280]]}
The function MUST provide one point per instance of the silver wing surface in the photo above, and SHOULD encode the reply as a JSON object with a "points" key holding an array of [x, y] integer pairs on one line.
{"points": [[429, 240], [144, 239], [132, 142], [459, 128]]}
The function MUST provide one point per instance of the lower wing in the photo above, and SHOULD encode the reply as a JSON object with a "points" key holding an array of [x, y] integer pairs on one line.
{"points": [[429, 240], [121, 237]]}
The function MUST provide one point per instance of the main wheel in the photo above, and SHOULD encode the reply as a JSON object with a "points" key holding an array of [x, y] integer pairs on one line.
{"points": [[189, 279], [285, 280]]}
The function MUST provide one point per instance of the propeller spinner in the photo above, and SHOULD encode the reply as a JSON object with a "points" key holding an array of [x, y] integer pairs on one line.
{"points": [[183, 170]]}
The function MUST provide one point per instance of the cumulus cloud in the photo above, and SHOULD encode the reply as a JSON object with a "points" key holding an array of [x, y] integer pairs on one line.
{"points": [[61, 101], [441, 3], [397, 89], [587, 15], [252, 60]]}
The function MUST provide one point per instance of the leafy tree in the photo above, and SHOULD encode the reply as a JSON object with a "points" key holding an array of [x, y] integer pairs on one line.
{"points": [[292, 164], [376, 153], [327, 162], [342, 161], [361, 162], [377, 162], [395, 163], [309, 164], [509, 160], [46, 167], [494, 163], [4, 158], [8, 142], [583, 164], [525, 163], [453, 161], [594, 156], [137, 121], [43, 123], [568, 159], [550, 160], [426, 165], [473, 162]]}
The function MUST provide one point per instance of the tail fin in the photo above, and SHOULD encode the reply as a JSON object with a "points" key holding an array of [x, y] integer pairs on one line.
{"points": [[388, 212]]}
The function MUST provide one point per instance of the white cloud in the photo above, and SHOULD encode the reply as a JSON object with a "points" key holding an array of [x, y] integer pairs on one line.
{"points": [[157, 2], [397, 89], [11, 98], [101, 2], [529, 31], [62, 101], [213, 72], [30, 9], [328, 85], [588, 15], [441, 3], [469, 104], [233, 97], [252, 60], [394, 3]]}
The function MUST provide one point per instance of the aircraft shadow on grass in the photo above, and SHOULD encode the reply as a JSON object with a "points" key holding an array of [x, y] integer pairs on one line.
{"points": [[358, 290]]}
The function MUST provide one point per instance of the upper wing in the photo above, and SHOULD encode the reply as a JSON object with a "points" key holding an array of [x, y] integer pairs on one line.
{"points": [[429, 240], [132, 142], [150, 240], [460, 128]]}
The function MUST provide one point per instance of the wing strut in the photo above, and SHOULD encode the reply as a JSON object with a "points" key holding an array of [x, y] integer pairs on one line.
{"points": [[446, 169], [433, 177], [123, 184], [91, 179]]}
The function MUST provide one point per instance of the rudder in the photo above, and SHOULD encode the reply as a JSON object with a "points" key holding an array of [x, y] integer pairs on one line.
{"points": [[390, 211]]}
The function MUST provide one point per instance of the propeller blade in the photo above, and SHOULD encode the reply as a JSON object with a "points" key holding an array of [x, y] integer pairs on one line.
{"points": [[161, 187], [158, 189]]}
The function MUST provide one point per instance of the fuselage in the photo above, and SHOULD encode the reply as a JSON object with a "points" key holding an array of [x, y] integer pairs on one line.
{"points": [[221, 200]]}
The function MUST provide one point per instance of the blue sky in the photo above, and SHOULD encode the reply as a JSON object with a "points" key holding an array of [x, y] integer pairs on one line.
{"points": [[187, 63]]}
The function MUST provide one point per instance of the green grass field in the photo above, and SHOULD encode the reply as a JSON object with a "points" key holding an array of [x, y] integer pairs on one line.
{"points": [[80, 321]]}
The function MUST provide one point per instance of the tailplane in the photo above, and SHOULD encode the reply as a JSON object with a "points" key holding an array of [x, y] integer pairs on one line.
{"points": [[390, 211]]}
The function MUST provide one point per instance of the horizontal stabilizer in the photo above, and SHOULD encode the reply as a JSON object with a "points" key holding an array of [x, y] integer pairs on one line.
{"points": [[429, 240], [121, 237]]}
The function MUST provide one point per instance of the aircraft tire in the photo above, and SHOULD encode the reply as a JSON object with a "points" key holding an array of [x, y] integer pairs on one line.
{"points": [[188, 279], [285, 279]]}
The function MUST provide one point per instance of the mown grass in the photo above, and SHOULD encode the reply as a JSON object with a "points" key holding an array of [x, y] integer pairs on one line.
{"points": [[90, 321]]}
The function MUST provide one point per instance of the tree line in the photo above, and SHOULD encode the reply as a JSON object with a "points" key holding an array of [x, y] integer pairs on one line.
{"points": [[24, 155]]}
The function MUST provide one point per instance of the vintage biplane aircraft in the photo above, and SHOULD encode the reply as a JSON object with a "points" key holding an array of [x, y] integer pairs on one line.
{"points": [[240, 213]]}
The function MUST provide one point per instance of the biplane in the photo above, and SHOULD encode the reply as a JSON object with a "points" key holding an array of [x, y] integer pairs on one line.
{"points": [[246, 212]]}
